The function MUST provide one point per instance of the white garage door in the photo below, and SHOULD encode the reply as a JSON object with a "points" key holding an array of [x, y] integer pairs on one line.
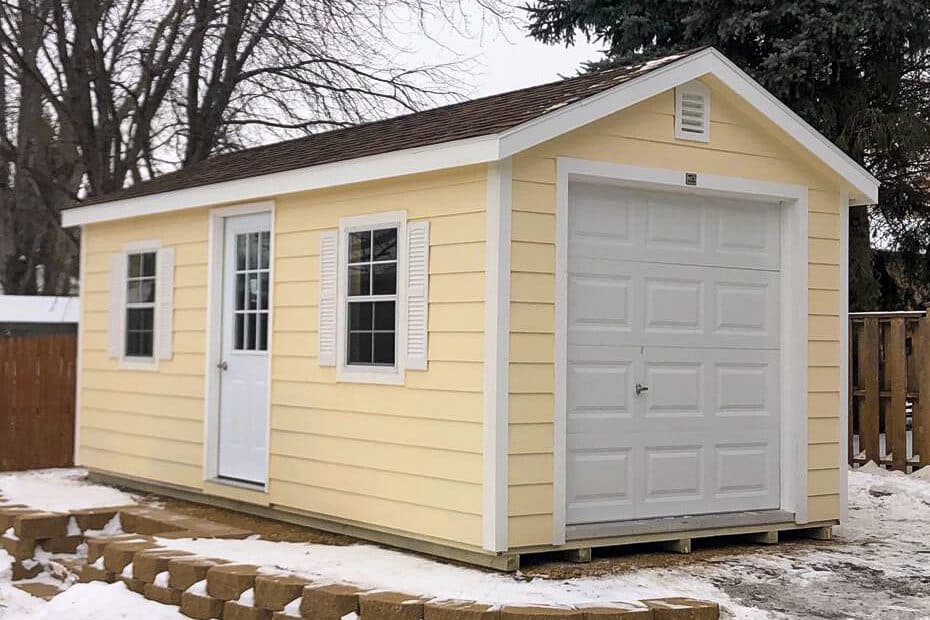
{"points": [[679, 295]]}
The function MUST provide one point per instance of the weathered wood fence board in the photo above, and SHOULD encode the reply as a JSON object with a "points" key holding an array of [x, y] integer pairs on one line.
{"points": [[37, 390]]}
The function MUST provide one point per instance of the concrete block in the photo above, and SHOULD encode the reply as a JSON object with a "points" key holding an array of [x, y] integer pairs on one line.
{"points": [[389, 606], [8, 515], [201, 607], [45, 591], [329, 602], [96, 544], [183, 572], [26, 569], [682, 609], [18, 548], [150, 521], [94, 518], [62, 544], [92, 573], [134, 585], [615, 611], [229, 581], [275, 592], [148, 563], [41, 525], [159, 594], [554, 612], [820, 533], [235, 611], [459, 610], [118, 555], [280, 615]]}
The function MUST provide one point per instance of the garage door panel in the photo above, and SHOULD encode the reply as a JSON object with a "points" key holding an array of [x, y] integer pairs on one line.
{"points": [[679, 294], [672, 228]]}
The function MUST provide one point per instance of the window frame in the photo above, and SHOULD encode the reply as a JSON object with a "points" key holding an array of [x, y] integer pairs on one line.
{"points": [[371, 373], [134, 362]]}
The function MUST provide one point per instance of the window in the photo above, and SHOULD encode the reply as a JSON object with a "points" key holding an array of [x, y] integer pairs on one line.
{"points": [[252, 271], [140, 304], [371, 297]]}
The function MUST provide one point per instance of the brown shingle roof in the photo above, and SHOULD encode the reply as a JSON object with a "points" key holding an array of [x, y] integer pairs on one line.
{"points": [[469, 119]]}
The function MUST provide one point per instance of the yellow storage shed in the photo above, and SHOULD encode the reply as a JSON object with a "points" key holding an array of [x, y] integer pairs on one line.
{"points": [[609, 309]]}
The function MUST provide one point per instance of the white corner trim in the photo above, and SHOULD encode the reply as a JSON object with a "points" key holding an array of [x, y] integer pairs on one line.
{"points": [[794, 305], [494, 147], [844, 356], [79, 369], [346, 373], [214, 325], [497, 358]]}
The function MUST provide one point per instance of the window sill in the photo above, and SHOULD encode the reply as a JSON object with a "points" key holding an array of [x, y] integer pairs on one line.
{"points": [[358, 374], [143, 364]]}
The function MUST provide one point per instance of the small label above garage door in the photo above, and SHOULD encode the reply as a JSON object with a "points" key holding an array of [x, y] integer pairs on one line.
{"points": [[673, 355]]}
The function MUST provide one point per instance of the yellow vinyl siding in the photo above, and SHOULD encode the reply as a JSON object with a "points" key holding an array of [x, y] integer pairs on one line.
{"points": [[145, 423], [401, 458], [742, 143]]}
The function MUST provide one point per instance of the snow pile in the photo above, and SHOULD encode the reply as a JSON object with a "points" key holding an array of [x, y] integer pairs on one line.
{"points": [[98, 601], [59, 490]]}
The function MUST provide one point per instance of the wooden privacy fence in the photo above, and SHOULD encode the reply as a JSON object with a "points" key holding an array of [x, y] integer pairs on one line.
{"points": [[37, 381]]}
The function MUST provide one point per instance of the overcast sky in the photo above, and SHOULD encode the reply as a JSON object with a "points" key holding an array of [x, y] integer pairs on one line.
{"points": [[505, 58]]}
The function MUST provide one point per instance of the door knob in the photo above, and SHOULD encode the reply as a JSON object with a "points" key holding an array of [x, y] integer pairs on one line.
{"points": [[223, 365], [640, 388]]}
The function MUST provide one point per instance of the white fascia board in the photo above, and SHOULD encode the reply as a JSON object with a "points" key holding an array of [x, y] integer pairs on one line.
{"points": [[709, 61], [393, 164]]}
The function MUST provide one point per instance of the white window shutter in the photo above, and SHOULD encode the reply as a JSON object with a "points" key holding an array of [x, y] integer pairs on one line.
{"points": [[117, 333], [164, 302], [328, 279], [417, 295]]}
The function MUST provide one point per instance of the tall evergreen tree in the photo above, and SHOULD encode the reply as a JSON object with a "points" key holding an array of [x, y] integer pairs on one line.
{"points": [[857, 70]]}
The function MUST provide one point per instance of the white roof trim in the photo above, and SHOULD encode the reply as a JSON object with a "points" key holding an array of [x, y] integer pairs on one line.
{"points": [[498, 146]]}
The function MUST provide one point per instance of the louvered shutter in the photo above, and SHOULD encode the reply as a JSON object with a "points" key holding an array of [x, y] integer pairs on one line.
{"points": [[417, 295], [164, 301], [692, 112], [117, 335], [328, 278]]}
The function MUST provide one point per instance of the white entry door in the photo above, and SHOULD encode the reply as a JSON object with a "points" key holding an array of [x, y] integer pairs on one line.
{"points": [[243, 413], [673, 355]]}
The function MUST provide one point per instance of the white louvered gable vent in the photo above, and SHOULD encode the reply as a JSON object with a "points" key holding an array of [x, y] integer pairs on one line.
{"points": [[692, 112]]}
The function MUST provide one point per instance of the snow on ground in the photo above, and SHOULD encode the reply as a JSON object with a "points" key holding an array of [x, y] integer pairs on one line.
{"points": [[878, 568], [58, 490]]}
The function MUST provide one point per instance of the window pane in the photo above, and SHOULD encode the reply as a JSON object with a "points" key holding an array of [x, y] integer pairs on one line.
{"points": [[360, 316], [253, 251], [359, 280], [359, 247], [384, 315], [384, 279], [359, 348], [139, 334], [240, 332], [263, 291], [141, 291], [252, 295], [240, 292], [135, 265], [139, 319], [250, 331], [263, 332], [241, 248], [148, 264], [385, 244], [265, 250], [384, 349]]}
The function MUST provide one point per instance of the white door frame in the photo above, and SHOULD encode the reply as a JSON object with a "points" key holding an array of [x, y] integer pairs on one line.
{"points": [[793, 341], [215, 256]]}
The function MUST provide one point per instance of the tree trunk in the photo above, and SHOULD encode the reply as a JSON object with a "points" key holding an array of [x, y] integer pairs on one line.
{"points": [[864, 290]]}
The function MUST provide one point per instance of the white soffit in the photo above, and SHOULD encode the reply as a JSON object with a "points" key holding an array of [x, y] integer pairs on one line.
{"points": [[494, 147]]}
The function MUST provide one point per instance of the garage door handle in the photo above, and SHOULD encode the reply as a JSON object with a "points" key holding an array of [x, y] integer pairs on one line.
{"points": [[640, 388]]}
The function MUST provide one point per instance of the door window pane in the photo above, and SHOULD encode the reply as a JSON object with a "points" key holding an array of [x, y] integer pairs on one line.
{"points": [[252, 283]]}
